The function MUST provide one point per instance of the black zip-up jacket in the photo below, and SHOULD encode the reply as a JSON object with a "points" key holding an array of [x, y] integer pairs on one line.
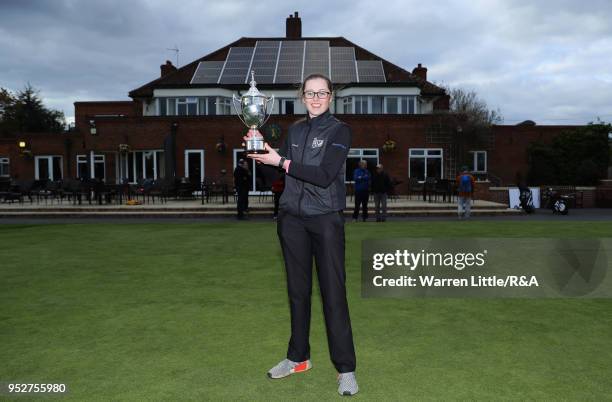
{"points": [[317, 148]]}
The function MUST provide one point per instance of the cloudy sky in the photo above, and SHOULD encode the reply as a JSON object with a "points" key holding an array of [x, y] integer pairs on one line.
{"points": [[548, 61]]}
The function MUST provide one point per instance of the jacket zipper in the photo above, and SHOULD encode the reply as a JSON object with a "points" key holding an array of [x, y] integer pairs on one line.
{"points": [[302, 162]]}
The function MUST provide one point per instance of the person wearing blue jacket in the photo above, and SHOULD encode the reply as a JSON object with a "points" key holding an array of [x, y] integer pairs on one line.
{"points": [[361, 177]]}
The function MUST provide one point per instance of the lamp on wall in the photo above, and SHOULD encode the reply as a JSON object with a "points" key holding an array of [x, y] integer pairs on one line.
{"points": [[389, 145], [220, 146], [23, 148], [92, 127]]}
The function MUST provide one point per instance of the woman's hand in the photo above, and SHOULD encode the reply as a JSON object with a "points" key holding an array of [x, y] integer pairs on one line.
{"points": [[271, 158]]}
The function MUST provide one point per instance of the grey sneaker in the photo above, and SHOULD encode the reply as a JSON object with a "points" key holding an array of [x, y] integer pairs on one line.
{"points": [[347, 384], [288, 367]]}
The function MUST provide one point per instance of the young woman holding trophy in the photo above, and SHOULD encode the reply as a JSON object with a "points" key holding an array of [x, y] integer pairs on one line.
{"points": [[311, 224]]}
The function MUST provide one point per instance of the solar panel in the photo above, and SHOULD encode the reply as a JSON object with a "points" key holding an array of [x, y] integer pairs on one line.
{"points": [[343, 64], [207, 72], [370, 71], [264, 61], [236, 66], [290, 62], [316, 58]]}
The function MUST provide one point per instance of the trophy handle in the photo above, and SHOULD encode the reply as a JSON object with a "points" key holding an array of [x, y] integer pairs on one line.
{"points": [[237, 103], [269, 107]]}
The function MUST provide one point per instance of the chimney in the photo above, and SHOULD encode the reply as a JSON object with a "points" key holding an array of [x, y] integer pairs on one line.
{"points": [[294, 26], [167, 68], [420, 72]]}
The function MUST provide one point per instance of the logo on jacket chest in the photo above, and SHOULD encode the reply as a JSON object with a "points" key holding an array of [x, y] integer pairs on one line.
{"points": [[317, 143]]}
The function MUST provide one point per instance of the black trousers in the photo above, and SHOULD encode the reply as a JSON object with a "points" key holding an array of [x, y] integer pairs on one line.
{"points": [[320, 236], [361, 200], [277, 197], [242, 203]]}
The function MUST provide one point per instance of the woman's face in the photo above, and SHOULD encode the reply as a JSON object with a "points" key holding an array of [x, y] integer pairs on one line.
{"points": [[316, 105]]}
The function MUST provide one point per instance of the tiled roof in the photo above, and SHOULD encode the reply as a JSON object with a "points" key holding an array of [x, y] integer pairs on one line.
{"points": [[350, 65]]}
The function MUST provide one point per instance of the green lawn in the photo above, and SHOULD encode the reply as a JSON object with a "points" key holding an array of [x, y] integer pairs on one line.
{"points": [[199, 312]]}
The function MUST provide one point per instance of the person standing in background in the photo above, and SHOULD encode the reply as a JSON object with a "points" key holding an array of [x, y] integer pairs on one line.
{"points": [[465, 188], [242, 181], [278, 186], [361, 177], [381, 187]]}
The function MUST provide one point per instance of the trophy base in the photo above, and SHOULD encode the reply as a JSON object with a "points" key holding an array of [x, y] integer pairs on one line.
{"points": [[256, 151]]}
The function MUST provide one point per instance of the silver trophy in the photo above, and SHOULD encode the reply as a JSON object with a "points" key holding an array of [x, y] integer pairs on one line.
{"points": [[254, 109]]}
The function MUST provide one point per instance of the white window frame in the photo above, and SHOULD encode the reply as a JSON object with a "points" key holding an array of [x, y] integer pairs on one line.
{"points": [[124, 158], [358, 153], [224, 101], [4, 161], [475, 161], [347, 101], [187, 100], [426, 156], [360, 98], [49, 158], [398, 105], [352, 100], [97, 158]]}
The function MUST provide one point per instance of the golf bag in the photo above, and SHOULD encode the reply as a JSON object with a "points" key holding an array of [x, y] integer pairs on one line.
{"points": [[526, 199], [556, 202]]}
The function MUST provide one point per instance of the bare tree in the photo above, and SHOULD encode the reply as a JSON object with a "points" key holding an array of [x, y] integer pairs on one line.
{"points": [[466, 126]]}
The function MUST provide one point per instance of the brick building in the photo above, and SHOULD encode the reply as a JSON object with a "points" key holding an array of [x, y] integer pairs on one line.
{"points": [[183, 124]]}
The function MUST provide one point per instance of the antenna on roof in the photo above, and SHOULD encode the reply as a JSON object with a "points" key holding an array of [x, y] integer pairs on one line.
{"points": [[176, 50]]}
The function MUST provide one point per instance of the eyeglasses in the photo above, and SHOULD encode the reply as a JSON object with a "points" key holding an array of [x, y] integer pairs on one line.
{"points": [[320, 94]]}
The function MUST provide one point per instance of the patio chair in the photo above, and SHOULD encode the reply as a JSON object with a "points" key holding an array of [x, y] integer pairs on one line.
{"points": [[415, 188], [430, 188], [443, 188]]}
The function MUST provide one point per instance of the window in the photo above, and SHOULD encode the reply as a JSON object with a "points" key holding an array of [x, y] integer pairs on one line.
{"points": [[162, 104], [286, 106], [391, 104], [48, 167], [408, 105], [224, 105], [83, 167], [376, 103], [187, 106], [480, 161], [211, 106], [347, 104], [425, 163], [138, 165], [4, 167], [207, 106], [370, 155], [361, 104], [171, 106]]}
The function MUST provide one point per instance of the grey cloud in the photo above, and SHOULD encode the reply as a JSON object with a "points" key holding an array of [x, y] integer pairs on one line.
{"points": [[546, 60]]}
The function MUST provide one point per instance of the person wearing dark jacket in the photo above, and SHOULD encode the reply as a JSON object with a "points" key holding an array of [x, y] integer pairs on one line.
{"points": [[381, 187], [311, 224], [242, 181], [278, 186], [361, 177]]}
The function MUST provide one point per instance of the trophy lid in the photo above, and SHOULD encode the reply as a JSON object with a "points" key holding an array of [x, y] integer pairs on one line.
{"points": [[253, 91]]}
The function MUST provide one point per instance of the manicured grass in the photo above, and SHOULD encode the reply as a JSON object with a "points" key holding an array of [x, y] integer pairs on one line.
{"points": [[199, 312]]}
